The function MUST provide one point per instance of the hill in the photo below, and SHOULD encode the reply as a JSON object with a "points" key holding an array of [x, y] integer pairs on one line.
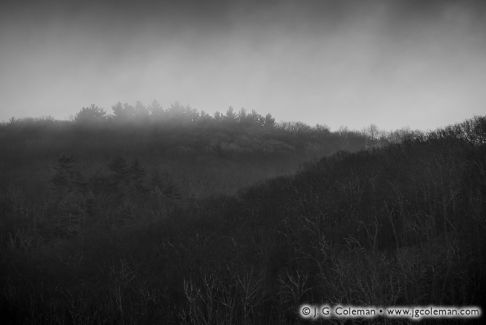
{"points": [[396, 224], [231, 150]]}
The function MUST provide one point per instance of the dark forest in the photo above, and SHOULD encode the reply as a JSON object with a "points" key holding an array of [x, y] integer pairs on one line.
{"points": [[170, 215]]}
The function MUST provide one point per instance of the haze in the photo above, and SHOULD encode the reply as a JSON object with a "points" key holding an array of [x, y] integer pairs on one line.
{"points": [[415, 63]]}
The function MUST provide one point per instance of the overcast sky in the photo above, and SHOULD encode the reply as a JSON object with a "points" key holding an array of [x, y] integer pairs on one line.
{"points": [[393, 63]]}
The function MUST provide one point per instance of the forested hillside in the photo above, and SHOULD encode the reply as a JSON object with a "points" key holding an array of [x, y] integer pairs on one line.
{"points": [[203, 154], [107, 231]]}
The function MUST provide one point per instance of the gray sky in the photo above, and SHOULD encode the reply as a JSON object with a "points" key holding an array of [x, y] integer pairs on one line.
{"points": [[394, 63]]}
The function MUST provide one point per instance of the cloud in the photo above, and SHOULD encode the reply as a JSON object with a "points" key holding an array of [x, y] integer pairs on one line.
{"points": [[392, 63]]}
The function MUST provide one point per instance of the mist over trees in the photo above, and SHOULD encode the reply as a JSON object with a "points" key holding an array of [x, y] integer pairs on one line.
{"points": [[231, 149], [174, 114], [153, 215]]}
